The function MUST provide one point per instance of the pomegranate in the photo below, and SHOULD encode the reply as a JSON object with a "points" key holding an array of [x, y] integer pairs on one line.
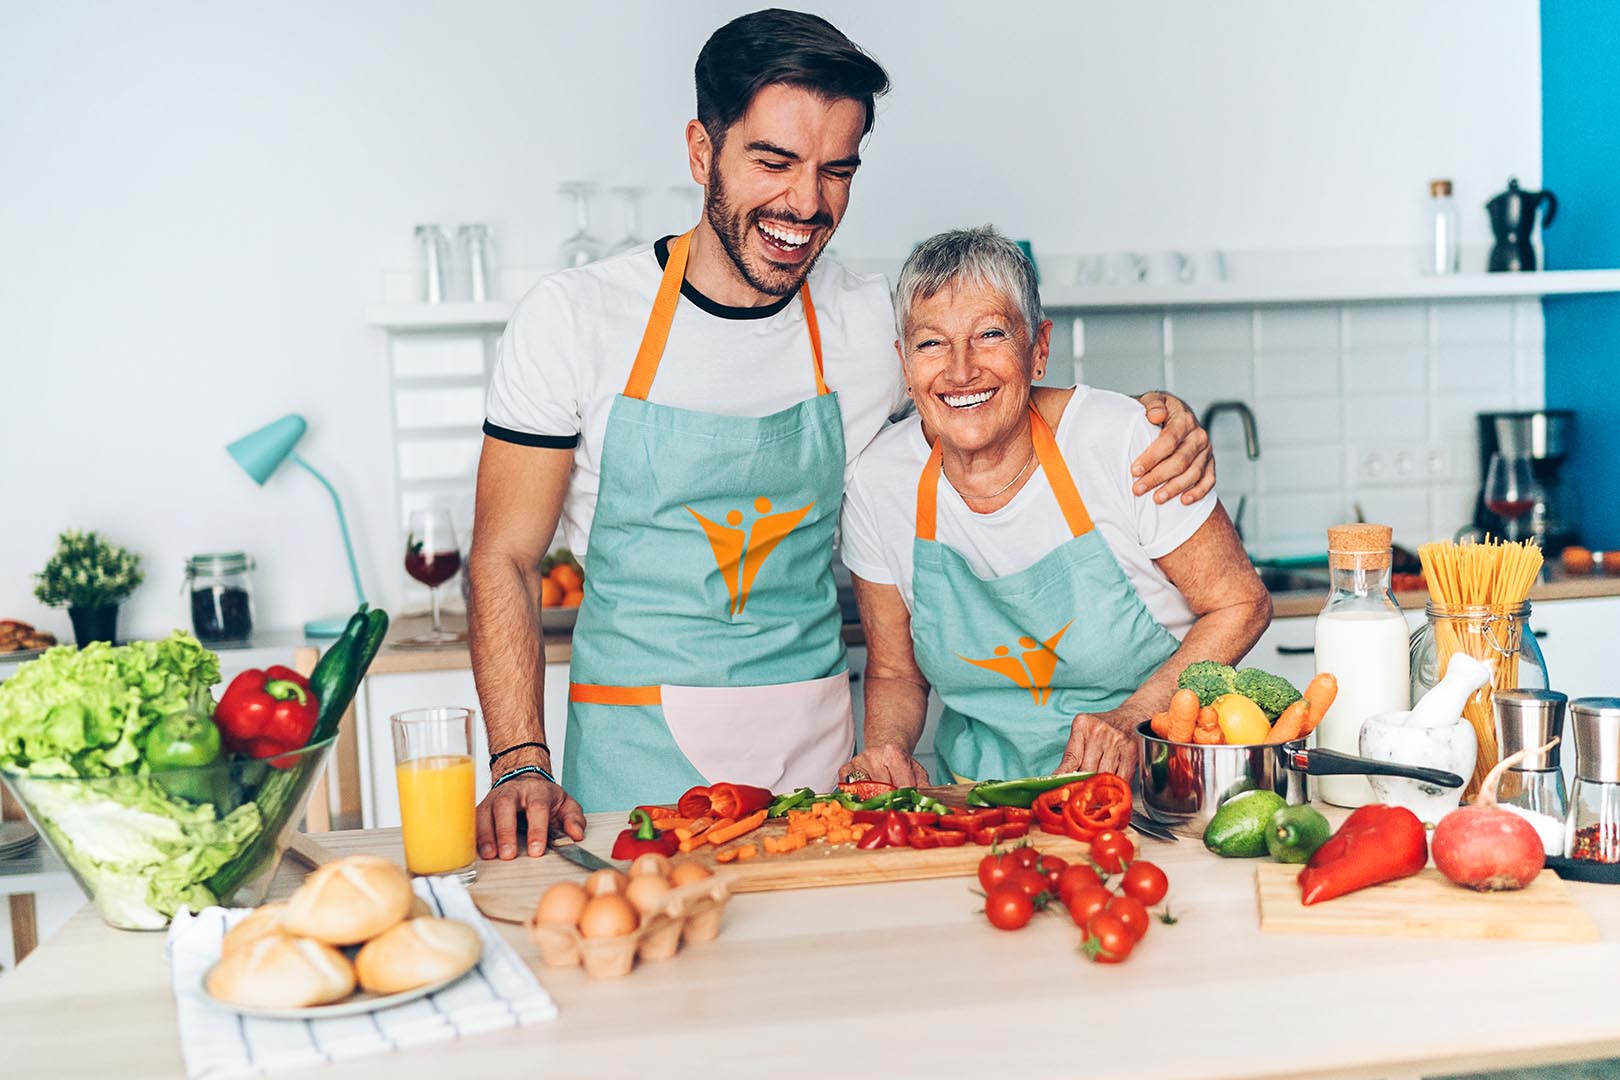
{"points": [[1483, 846]]}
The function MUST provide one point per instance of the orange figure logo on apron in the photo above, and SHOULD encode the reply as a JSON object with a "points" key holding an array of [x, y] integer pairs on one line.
{"points": [[1031, 669], [740, 552]]}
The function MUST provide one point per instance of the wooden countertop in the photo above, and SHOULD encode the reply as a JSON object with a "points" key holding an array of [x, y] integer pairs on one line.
{"points": [[1557, 585], [908, 976]]}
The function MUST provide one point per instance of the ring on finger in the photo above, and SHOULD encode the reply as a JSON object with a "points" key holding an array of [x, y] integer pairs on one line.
{"points": [[855, 775]]}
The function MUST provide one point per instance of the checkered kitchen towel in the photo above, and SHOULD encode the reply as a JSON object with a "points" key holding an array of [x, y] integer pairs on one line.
{"points": [[217, 1043]]}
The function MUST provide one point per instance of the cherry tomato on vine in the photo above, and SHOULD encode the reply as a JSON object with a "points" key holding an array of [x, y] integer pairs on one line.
{"points": [[1107, 939], [1145, 882], [1132, 914], [1111, 850], [1007, 907], [1087, 901]]}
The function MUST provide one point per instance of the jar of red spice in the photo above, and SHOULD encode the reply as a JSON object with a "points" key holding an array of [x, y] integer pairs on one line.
{"points": [[1592, 832]]}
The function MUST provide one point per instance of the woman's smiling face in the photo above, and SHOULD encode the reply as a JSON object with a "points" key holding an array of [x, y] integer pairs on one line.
{"points": [[969, 360]]}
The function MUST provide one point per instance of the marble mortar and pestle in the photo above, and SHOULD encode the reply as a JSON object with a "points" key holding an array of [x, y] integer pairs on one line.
{"points": [[1432, 734]]}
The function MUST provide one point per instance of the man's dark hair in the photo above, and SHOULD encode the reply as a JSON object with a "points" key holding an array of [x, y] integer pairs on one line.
{"points": [[773, 46]]}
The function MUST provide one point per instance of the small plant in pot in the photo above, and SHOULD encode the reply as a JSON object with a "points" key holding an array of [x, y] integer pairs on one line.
{"points": [[90, 577]]}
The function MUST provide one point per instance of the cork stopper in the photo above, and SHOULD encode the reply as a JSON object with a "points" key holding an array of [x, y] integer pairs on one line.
{"points": [[1359, 546], [1439, 188]]}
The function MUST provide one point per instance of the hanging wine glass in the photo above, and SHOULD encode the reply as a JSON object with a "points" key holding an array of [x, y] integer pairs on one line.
{"points": [[1510, 492], [581, 247], [631, 196]]}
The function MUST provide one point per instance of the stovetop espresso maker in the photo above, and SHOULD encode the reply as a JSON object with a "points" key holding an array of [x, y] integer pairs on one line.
{"points": [[1513, 220]]}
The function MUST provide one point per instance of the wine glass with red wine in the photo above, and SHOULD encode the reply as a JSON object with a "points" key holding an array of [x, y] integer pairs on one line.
{"points": [[432, 557], [1510, 491]]}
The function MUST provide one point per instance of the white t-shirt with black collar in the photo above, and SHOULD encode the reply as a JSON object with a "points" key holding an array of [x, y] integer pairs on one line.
{"points": [[1099, 434], [571, 342]]}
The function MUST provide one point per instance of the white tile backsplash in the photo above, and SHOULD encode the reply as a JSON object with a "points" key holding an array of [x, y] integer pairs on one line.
{"points": [[1326, 382]]}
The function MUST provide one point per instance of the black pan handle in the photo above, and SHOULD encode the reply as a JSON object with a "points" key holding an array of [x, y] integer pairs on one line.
{"points": [[1333, 763]]}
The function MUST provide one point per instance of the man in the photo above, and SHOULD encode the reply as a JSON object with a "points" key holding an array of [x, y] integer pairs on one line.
{"points": [[675, 410]]}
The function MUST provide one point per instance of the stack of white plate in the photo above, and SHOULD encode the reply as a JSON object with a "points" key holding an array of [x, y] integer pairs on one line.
{"points": [[16, 837]]}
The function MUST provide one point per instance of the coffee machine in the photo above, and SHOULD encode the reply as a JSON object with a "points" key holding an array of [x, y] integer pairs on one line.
{"points": [[1543, 437]]}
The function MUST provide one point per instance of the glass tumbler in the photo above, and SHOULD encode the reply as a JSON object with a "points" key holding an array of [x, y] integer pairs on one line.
{"points": [[433, 766]]}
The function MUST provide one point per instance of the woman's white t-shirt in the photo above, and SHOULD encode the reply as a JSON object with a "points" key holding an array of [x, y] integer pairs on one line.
{"points": [[570, 345], [1099, 434]]}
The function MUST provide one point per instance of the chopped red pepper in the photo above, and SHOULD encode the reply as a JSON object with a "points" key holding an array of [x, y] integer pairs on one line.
{"points": [[952, 838], [865, 789], [265, 713], [1374, 845], [918, 817], [895, 831], [995, 834], [641, 838], [868, 817], [1101, 803], [1049, 806], [874, 838], [923, 837], [1014, 814]]}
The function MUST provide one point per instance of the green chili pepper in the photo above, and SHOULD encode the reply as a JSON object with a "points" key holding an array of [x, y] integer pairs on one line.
{"points": [[1019, 792], [793, 800]]}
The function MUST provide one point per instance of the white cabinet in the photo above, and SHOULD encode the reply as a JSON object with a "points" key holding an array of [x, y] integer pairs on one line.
{"points": [[381, 696], [1578, 638]]}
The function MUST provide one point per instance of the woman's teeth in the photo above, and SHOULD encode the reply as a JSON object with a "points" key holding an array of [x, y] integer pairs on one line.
{"points": [[788, 238], [967, 401]]}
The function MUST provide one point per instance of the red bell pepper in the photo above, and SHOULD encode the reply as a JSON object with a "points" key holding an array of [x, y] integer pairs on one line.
{"points": [[265, 713], [642, 838], [923, 837], [694, 804], [861, 790], [1374, 845], [734, 801], [995, 834]]}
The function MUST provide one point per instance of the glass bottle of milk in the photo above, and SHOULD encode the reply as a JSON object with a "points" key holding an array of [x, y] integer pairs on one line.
{"points": [[1361, 639]]}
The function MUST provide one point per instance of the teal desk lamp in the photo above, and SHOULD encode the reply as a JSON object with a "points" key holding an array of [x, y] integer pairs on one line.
{"points": [[260, 454]]}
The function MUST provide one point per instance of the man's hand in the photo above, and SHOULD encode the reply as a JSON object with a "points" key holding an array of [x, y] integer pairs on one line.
{"points": [[887, 763], [1179, 461], [1101, 742], [546, 808]]}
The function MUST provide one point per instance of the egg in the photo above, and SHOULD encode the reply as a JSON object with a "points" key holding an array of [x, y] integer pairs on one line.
{"points": [[650, 862], [685, 873], [605, 881], [646, 893], [561, 904], [608, 915]]}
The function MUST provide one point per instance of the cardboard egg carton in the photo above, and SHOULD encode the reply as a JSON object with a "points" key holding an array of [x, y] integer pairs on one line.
{"points": [[688, 915]]}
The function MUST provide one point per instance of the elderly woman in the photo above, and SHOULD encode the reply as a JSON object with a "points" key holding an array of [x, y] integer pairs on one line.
{"points": [[1000, 557]]}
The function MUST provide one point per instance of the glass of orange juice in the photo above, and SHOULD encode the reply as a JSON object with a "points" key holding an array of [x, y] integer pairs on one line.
{"points": [[433, 765]]}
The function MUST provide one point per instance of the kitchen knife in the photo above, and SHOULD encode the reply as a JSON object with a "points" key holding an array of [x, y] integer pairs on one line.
{"points": [[581, 858], [1148, 827]]}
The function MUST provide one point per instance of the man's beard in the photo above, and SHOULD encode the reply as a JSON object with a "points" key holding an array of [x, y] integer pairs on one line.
{"points": [[733, 231]]}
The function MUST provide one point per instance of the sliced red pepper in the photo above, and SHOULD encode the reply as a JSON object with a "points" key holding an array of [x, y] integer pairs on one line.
{"points": [[694, 804], [1015, 814], [1102, 802], [952, 838], [865, 789], [894, 828], [918, 817], [957, 822], [1049, 805], [872, 839], [923, 837], [996, 834], [868, 817], [1059, 830]]}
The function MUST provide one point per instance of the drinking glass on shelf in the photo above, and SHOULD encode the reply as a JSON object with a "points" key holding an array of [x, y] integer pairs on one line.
{"points": [[433, 766], [582, 247], [632, 238], [1510, 491], [432, 557]]}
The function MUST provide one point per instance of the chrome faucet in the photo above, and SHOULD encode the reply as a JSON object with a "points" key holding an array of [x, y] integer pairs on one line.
{"points": [[1251, 445], [1251, 435]]}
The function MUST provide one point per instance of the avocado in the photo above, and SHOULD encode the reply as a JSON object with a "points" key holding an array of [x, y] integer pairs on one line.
{"points": [[1238, 829], [1295, 832]]}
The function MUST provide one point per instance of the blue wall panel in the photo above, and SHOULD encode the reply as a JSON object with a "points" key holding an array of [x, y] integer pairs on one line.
{"points": [[1580, 118]]}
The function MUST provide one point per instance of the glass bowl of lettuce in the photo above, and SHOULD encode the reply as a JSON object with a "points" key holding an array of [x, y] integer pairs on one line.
{"points": [[76, 730]]}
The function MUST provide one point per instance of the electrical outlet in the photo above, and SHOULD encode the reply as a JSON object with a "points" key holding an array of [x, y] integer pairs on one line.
{"points": [[1404, 464]]}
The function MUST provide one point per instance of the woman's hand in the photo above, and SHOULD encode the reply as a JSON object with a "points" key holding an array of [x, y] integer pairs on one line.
{"points": [[1101, 742], [887, 763], [546, 807], [1179, 461]]}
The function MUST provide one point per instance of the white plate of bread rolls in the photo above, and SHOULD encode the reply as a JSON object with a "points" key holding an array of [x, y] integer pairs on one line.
{"points": [[353, 938]]}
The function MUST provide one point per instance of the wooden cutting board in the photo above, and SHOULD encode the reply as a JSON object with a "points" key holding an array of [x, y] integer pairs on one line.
{"points": [[510, 890], [1426, 905]]}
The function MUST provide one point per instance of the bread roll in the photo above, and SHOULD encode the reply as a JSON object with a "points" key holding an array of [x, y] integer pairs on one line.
{"points": [[416, 953], [269, 919], [282, 972], [349, 901], [419, 909]]}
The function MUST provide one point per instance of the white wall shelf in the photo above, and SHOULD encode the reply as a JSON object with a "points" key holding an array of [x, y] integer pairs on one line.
{"points": [[492, 315]]}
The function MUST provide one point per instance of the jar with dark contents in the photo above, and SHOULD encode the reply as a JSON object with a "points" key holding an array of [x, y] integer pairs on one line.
{"points": [[1592, 832], [220, 587]]}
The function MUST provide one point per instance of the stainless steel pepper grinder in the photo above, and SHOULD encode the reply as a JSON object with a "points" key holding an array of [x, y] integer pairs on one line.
{"points": [[1531, 719], [1593, 829]]}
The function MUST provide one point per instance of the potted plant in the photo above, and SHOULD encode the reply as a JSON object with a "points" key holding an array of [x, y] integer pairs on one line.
{"points": [[89, 576]]}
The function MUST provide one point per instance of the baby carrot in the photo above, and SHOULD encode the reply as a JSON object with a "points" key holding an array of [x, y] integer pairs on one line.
{"points": [[1183, 715], [724, 831], [1320, 692]]}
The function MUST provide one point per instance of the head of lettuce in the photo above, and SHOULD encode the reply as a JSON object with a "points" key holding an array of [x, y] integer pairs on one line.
{"points": [[73, 724]]}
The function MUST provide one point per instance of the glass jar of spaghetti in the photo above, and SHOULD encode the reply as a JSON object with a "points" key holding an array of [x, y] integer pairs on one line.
{"points": [[1498, 637]]}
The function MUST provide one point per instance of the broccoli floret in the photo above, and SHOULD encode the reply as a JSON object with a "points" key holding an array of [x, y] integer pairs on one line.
{"points": [[1272, 693], [1208, 680]]}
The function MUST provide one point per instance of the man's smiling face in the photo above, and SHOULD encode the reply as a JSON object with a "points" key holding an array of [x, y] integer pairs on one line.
{"points": [[779, 184]]}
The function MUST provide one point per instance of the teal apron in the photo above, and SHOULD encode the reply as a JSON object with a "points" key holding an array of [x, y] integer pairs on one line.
{"points": [[708, 646], [1017, 658]]}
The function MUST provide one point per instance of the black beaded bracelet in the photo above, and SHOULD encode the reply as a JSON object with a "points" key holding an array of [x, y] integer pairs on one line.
{"points": [[522, 770], [493, 758]]}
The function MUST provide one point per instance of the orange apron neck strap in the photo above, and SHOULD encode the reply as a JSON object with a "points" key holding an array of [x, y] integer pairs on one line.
{"points": [[1046, 452], [656, 336], [1057, 475]]}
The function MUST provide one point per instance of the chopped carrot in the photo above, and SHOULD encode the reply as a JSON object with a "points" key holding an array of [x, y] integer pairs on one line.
{"points": [[1183, 716], [747, 851], [839, 836], [1319, 692], [726, 855], [723, 831], [1291, 724]]}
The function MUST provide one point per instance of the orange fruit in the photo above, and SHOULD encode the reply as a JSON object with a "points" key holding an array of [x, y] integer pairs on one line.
{"points": [[551, 593], [573, 598], [565, 575]]}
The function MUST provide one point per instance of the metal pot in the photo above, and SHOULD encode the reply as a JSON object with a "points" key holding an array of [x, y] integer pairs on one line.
{"points": [[1183, 784]]}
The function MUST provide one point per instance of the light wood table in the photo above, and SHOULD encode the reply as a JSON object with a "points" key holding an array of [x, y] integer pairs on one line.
{"points": [[905, 979]]}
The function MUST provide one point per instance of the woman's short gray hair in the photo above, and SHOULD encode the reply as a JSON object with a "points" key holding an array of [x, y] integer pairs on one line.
{"points": [[980, 257]]}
